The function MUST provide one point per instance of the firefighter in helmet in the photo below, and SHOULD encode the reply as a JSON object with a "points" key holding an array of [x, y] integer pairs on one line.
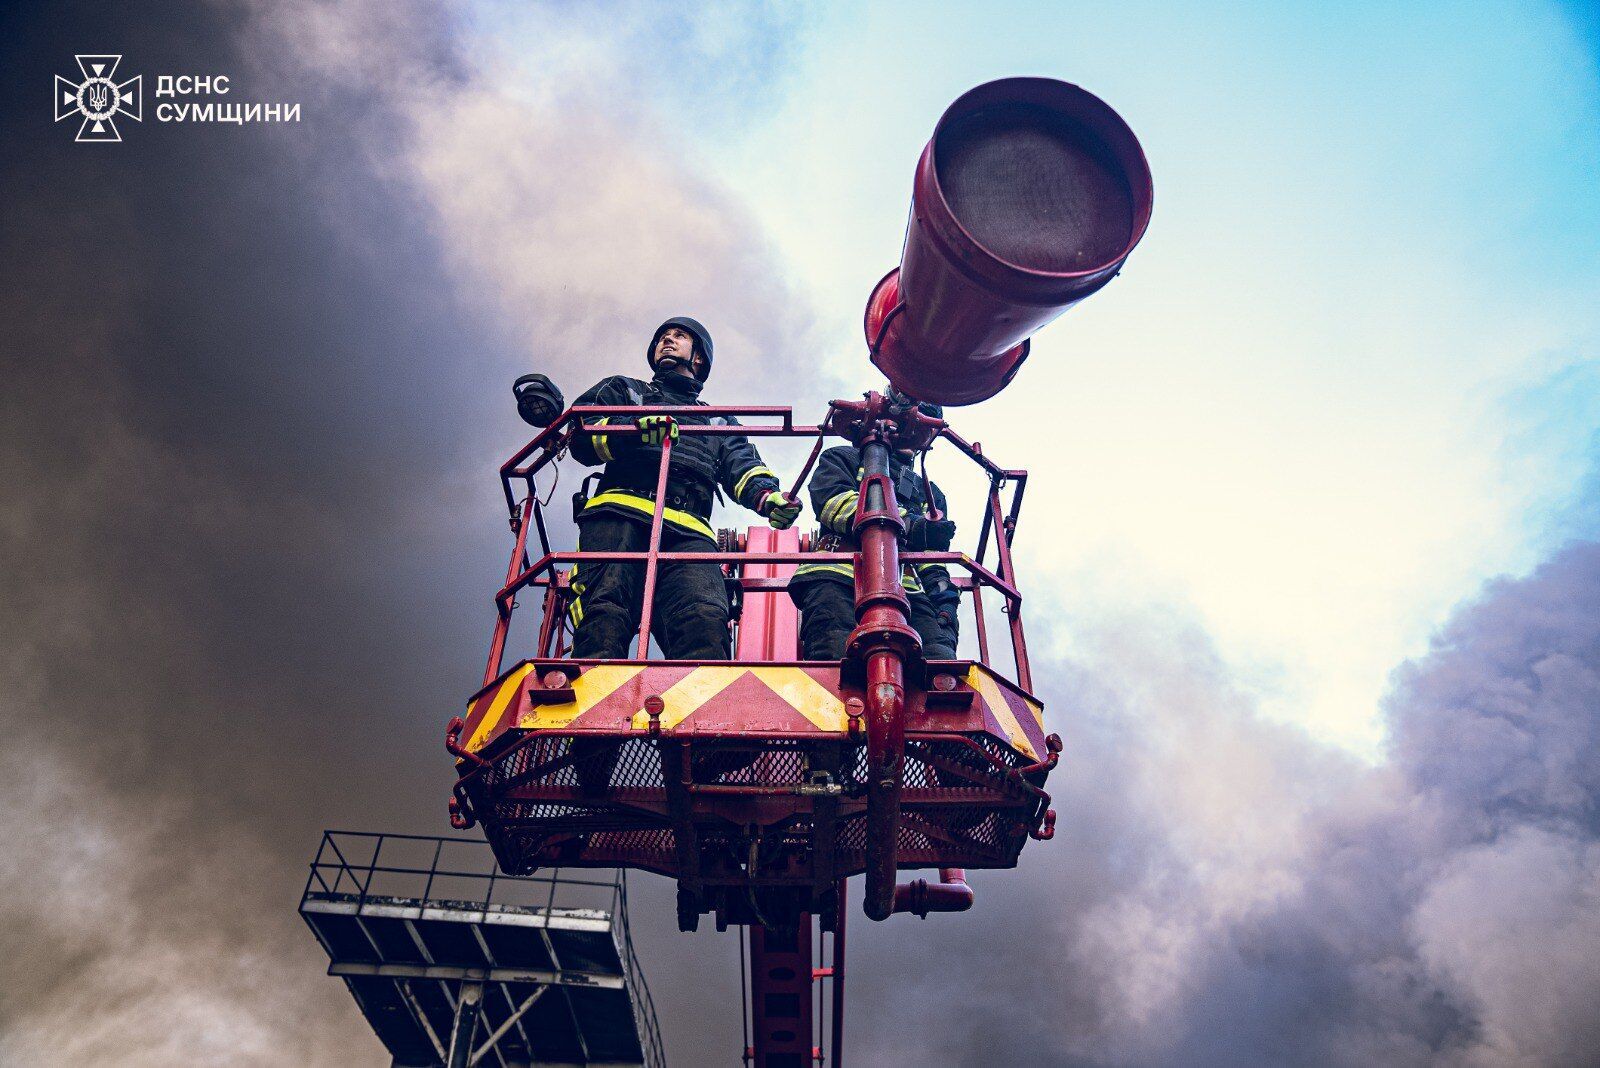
{"points": [[690, 617], [825, 593]]}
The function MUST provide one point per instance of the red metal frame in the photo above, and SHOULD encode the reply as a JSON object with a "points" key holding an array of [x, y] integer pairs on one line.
{"points": [[925, 757], [555, 440]]}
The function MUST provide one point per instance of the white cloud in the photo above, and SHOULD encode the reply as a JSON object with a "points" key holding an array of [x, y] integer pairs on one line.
{"points": [[1285, 412]]}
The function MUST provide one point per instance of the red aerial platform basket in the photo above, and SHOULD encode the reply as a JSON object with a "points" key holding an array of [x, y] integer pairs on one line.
{"points": [[745, 780]]}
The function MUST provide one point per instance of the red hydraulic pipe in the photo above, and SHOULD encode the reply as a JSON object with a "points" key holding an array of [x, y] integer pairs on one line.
{"points": [[886, 741], [1028, 198], [920, 897], [885, 640]]}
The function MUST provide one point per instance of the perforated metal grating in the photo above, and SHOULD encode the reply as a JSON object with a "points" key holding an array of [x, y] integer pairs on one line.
{"points": [[600, 801]]}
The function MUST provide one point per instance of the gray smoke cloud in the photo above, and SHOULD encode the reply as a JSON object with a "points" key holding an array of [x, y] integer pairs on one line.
{"points": [[255, 390], [256, 387], [1229, 892]]}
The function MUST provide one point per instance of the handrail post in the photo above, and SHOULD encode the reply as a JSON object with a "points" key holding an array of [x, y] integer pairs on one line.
{"points": [[983, 626], [654, 551], [372, 866], [427, 887], [502, 622], [1002, 542]]}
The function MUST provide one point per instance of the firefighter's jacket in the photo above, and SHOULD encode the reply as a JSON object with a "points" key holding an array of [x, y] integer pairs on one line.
{"points": [[702, 465], [835, 488]]}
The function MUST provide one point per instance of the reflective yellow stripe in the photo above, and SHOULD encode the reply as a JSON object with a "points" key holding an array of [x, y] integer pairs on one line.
{"points": [[744, 479], [837, 506], [602, 443], [588, 689], [703, 688], [497, 708], [907, 578], [989, 690], [847, 570], [575, 606], [840, 501], [645, 506]]}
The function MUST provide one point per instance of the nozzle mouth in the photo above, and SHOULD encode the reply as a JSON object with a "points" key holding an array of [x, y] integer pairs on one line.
{"points": [[1035, 188], [1028, 199], [1041, 183]]}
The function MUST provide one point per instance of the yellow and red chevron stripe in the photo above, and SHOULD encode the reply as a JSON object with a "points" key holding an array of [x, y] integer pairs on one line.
{"points": [[718, 695], [729, 698], [1014, 717]]}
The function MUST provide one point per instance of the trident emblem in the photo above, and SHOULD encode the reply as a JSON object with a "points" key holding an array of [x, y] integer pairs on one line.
{"points": [[98, 98]]}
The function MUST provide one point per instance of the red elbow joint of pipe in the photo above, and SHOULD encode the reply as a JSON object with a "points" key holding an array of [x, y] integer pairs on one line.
{"points": [[460, 818], [920, 897], [1047, 827], [452, 742]]}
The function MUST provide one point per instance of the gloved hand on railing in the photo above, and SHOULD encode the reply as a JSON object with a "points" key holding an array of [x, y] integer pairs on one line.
{"points": [[925, 535], [780, 509], [656, 429]]}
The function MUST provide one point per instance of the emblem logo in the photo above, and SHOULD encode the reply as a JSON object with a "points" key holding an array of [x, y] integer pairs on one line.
{"points": [[98, 98]]}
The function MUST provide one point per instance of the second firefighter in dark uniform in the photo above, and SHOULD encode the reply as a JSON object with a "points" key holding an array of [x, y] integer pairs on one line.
{"points": [[691, 612], [825, 593]]}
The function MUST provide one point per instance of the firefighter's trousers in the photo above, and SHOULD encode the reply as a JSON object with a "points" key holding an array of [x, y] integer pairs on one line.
{"points": [[690, 617], [828, 614]]}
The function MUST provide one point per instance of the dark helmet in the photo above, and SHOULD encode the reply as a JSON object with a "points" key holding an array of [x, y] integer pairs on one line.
{"points": [[539, 402], [702, 342]]}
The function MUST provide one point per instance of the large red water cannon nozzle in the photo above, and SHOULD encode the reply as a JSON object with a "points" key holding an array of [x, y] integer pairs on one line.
{"points": [[1028, 198]]}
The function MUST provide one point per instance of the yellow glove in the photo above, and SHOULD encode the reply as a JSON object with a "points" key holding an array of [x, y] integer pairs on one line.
{"points": [[656, 429], [780, 509]]}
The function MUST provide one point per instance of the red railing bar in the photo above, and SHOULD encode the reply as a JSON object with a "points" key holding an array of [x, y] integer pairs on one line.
{"points": [[779, 411], [742, 430], [983, 627], [983, 576], [502, 623], [805, 472], [1021, 479], [547, 623], [974, 452], [557, 435], [1019, 644], [549, 444], [554, 430], [654, 552]]}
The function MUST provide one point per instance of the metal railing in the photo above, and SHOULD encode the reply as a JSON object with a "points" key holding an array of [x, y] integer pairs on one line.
{"points": [[527, 517], [365, 866], [644, 1006]]}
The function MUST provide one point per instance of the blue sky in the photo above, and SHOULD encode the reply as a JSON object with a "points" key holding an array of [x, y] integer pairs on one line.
{"points": [[1349, 374]]}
